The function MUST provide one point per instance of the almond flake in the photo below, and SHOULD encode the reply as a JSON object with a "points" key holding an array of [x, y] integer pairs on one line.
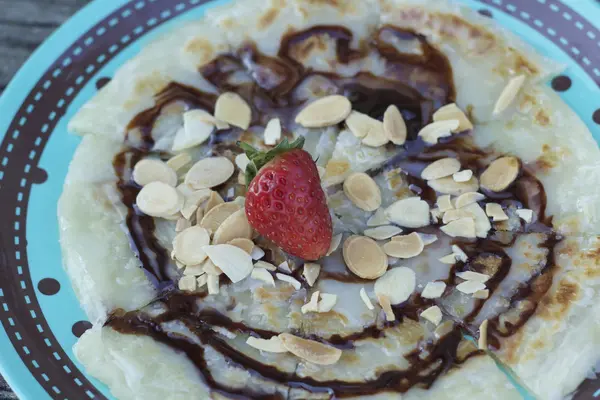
{"points": [[470, 287], [481, 294], [217, 215], [242, 161], [335, 243], [179, 264], [292, 281], [394, 125], [384, 302], [157, 199], [213, 284], [468, 198], [311, 272], [410, 213], [482, 222], [285, 267], [397, 284], [151, 170], [199, 215], [462, 176], [453, 215], [266, 265], [233, 109], [233, 261], [214, 200], [182, 224], [360, 124], [326, 111], [483, 332], [450, 112], [463, 227], [473, 276], [179, 161], [312, 305], [327, 302], [310, 350], [362, 191], [365, 298], [441, 168], [433, 314], [509, 93], [211, 269], [234, 227], [257, 253], [262, 275], [382, 232], [500, 174], [195, 131], [448, 185], [202, 280], [443, 329], [432, 132], [245, 244], [525, 214], [444, 203], [376, 136], [364, 257], [187, 283], [193, 200], [272, 133], [209, 172], [404, 246], [433, 290], [378, 218], [427, 238], [273, 345], [459, 253], [495, 211], [188, 245], [450, 259]]}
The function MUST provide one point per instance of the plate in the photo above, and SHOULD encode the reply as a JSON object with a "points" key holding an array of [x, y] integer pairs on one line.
{"points": [[40, 316]]}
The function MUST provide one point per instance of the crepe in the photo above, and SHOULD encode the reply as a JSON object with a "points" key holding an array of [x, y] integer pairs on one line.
{"points": [[189, 67]]}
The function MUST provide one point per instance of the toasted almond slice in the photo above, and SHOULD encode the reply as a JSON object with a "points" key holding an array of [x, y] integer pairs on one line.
{"points": [[199, 215], [321, 171], [468, 198], [233, 261], [481, 294], [202, 280], [195, 270], [312, 305], [211, 269], [410, 213], [436, 130], [450, 259], [450, 112], [182, 224], [285, 267], [500, 174], [273, 345], [433, 314], [157, 199], [441, 168], [221, 124], [448, 185], [151, 170], [213, 284], [483, 332], [482, 222], [262, 274], [384, 302], [405, 246], [326, 111], [362, 190], [427, 238], [214, 200], [459, 253], [397, 283], [378, 218], [525, 214], [266, 265], [383, 232], [365, 298], [463, 227], [394, 125], [360, 124], [364, 257], [235, 226], [233, 109], [217, 215], [443, 329], [242, 161], [257, 253], [462, 176], [187, 283], [310, 350], [192, 202], [473, 276], [311, 272], [376, 136], [179, 161], [444, 203], [453, 215], [195, 131], [245, 244], [495, 211], [433, 290], [209, 172], [188, 245], [335, 243], [470, 287], [272, 132], [509, 93], [327, 302], [291, 280]]}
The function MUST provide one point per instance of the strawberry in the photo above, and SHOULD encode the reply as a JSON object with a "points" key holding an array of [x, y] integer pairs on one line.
{"points": [[285, 201]]}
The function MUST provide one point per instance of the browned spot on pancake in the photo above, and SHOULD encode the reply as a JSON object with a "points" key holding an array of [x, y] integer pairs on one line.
{"points": [[267, 18], [512, 347], [404, 192], [522, 65], [556, 303], [408, 332], [542, 283], [350, 357], [228, 23], [200, 47], [336, 168], [550, 158], [542, 118], [282, 293], [591, 262], [538, 345]]}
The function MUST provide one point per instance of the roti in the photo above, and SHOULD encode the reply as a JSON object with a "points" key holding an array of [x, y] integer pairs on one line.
{"points": [[461, 209]]}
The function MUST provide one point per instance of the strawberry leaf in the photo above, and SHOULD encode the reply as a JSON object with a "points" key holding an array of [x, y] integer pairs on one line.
{"points": [[259, 159]]}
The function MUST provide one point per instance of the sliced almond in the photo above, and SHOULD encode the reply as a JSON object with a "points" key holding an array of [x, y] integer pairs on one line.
{"points": [[383, 232], [285, 267], [386, 306], [312, 305], [462, 176], [178, 263], [450, 259], [509, 93], [500, 174], [397, 284], [441, 168], [473, 276], [195, 131], [257, 253], [193, 200], [195, 270], [273, 345], [378, 218], [182, 224], [433, 290], [376, 136], [360, 124], [365, 298], [410, 213], [525, 214], [187, 283], [291, 280], [242, 161], [335, 243], [451, 112], [311, 272], [364, 257], [327, 302], [214, 200], [188, 245], [245, 244], [326, 111], [428, 238], [151, 170], [483, 332], [448, 185], [433, 314], [262, 274], [265, 265], [234, 227], [202, 280], [157, 199], [272, 133], [362, 191], [459, 253], [453, 215], [233, 261], [217, 215], [211, 269], [443, 329], [444, 203], [209, 172], [394, 125], [470, 287], [495, 211], [482, 222], [233, 109], [310, 350], [433, 132], [463, 227], [199, 214], [212, 282], [405, 246], [481, 294], [468, 198], [179, 161]]}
